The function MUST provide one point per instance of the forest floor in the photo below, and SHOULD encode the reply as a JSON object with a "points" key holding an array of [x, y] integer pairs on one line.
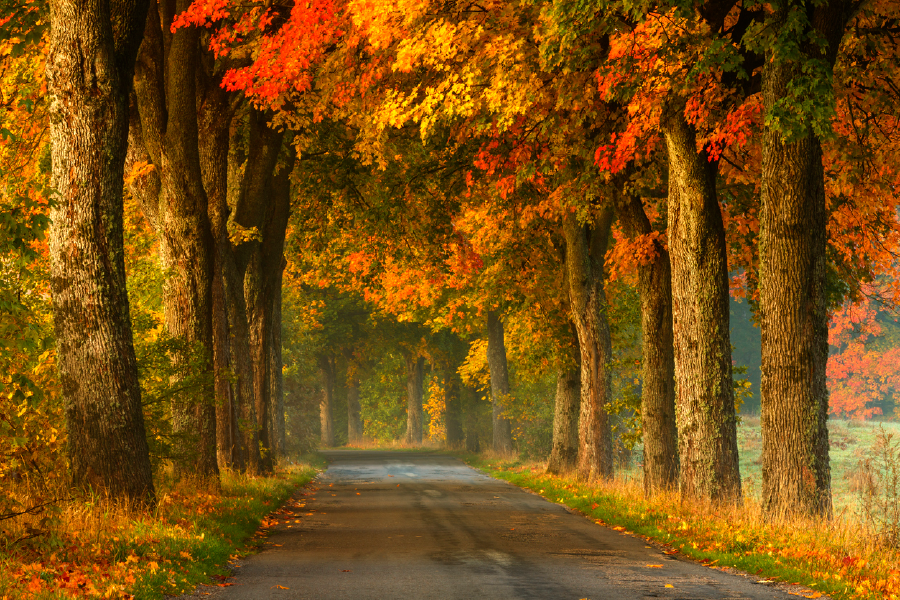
{"points": [[91, 547]]}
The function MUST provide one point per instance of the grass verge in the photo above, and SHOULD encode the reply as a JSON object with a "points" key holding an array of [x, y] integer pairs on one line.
{"points": [[832, 557], [99, 549]]}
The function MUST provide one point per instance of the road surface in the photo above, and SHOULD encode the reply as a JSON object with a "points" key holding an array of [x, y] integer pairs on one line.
{"points": [[421, 526]]}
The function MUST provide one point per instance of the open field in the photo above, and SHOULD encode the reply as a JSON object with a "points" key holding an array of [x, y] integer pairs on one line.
{"points": [[852, 443]]}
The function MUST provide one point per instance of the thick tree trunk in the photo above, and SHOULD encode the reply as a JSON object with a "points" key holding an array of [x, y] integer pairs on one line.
{"points": [[564, 454], [792, 280], [660, 433], [264, 270], [280, 438], [326, 408], [92, 51], [585, 254], [415, 380], [166, 97], [242, 364], [707, 433], [354, 416], [214, 133], [496, 357]]}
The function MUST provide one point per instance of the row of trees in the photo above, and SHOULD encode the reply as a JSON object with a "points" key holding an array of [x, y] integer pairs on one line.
{"points": [[133, 99], [506, 168], [702, 131]]}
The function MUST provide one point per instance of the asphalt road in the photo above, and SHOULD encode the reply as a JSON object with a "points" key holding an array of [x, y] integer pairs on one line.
{"points": [[423, 526]]}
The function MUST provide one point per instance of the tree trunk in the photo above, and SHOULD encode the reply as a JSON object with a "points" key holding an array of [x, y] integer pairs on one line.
{"points": [[326, 408], [354, 418], [92, 51], [166, 96], [473, 441], [707, 433], [263, 274], [585, 255], [214, 138], [564, 454], [453, 413], [793, 223], [242, 363], [660, 433], [496, 358], [277, 368], [415, 381]]}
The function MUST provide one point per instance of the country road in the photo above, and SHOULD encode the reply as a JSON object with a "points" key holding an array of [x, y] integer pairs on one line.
{"points": [[422, 526]]}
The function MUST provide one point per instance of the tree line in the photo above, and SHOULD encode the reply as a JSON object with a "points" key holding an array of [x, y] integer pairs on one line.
{"points": [[469, 168]]}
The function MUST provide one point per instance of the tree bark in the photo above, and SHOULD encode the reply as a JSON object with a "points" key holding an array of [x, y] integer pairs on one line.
{"points": [[263, 274], [660, 434], [92, 50], [277, 369], [326, 408], [354, 417], [214, 138], [792, 282], [166, 96], [241, 362], [564, 454], [585, 254], [415, 380], [496, 357], [707, 428]]}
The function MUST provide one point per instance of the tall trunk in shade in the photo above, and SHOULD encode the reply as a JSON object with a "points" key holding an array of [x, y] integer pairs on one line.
{"points": [[585, 254], [263, 275], [92, 49], [707, 428], [326, 407], [796, 471], [453, 411], [415, 382], [214, 118], [166, 94], [241, 362], [660, 432], [469, 398], [564, 452], [354, 410], [277, 370], [496, 358]]}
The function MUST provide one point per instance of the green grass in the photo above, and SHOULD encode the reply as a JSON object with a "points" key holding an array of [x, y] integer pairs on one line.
{"points": [[851, 442]]}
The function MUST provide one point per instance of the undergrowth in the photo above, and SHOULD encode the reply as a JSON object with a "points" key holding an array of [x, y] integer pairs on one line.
{"points": [[834, 557], [98, 548]]}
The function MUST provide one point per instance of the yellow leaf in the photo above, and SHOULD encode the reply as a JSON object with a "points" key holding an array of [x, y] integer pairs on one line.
{"points": [[669, 585], [280, 587]]}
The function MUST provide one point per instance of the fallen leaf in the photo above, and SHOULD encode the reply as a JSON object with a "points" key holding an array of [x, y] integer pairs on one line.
{"points": [[280, 587], [654, 566], [669, 585]]}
